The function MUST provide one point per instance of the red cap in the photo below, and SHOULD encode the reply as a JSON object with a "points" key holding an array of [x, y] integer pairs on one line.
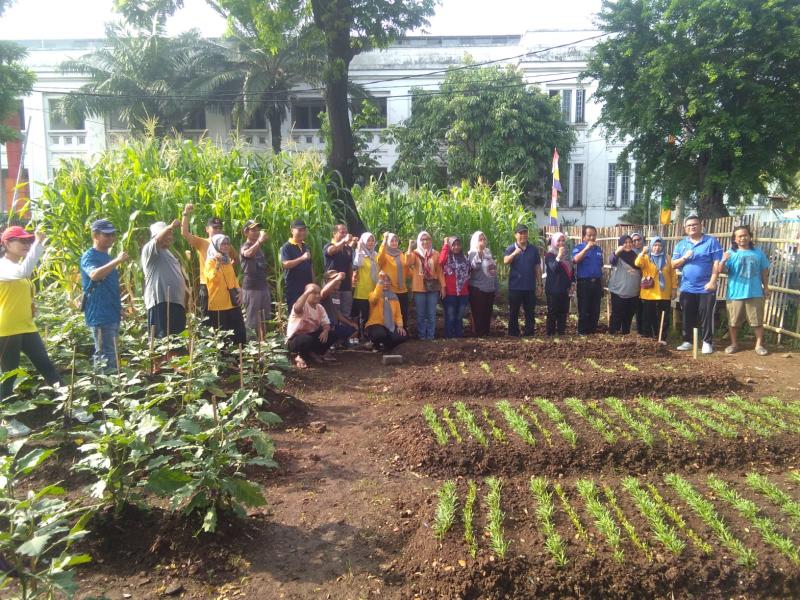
{"points": [[16, 232]]}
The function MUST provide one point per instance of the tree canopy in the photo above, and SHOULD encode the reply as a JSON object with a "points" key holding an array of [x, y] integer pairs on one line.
{"points": [[482, 122], [704, 93], [15, 81]]}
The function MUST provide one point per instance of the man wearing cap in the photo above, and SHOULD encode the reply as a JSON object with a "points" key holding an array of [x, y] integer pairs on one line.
{"points": [[18, 333], [102, 305], [256, 299], [164, 285], [298, 271], [200, 245], [524, 271]]}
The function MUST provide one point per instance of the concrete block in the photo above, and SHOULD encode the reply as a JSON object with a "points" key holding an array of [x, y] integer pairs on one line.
{"points": [[392, 359]]}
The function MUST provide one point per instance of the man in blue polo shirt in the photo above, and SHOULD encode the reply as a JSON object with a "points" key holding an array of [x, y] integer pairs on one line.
{"points": [[588, 258], [524, 271], [102, 305], [298, 271], [698, 256]]}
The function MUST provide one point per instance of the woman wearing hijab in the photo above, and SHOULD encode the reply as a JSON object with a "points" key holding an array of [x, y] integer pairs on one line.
{"points": [[658, 282], [455, 268], [427, 283], [624, 285], [482, 283], [224, 308], [385, 325], [392, 261], [558, 283], [365, 278]]}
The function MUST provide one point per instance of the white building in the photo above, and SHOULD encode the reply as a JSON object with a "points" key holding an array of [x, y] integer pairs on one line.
{"points": [[597, 191]]}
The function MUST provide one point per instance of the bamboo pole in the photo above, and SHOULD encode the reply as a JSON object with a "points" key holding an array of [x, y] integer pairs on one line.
{"points": [[241, 369], [694, 344], [661, 326]]}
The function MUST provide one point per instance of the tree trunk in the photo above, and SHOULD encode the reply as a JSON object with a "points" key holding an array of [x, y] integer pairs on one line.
{"points": [[712, 206], [275, 122]]}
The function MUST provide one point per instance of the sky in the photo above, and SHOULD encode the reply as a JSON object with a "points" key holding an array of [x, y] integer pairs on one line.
{"points": [[71, 19]]}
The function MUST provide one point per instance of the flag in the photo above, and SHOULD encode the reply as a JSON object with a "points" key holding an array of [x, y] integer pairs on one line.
{"points": [[666, 211], [556, 189]]}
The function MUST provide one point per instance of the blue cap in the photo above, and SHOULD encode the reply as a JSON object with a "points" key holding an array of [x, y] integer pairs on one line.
{"points": [[103, 226]]}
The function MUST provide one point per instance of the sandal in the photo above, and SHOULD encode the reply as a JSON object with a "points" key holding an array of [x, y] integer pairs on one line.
{"points": [[761, 351], [300, 362], [731, 349]]}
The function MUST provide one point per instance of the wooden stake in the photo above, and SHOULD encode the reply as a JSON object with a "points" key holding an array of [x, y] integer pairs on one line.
{"points": [[168, 297], [241, 369], [152, 343], [694, 346], [116, 354], [608, 309], [661, 326]]}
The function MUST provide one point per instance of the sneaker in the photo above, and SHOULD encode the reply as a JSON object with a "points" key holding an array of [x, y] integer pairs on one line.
{"points": [[684, 346], [80, 415], [761, 351], [731, 349], [16, 429], [707, 348]]}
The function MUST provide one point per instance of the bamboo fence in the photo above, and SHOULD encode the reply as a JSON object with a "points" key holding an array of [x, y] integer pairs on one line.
{"points": [[779, 241]]}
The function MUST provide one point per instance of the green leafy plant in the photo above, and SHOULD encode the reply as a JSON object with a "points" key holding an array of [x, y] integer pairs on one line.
{"points": [[788, 408], [630, 367], [641, 430], [432, 420], [557, 417], [574, 518], [784, 501], [626, 524], [544, 514], [497, 433], [737, 416], [534, 419], [676, 518], [445, 509], [660, 411], [708, 514], [767, 416], [596, 423], [451, 425], [662, 531], [466, 417], [571, 368], [516, 421], [603, 519], [485, 366], [495, 517], [468, 516], [703, 417], [594, 364], [598, 410]]}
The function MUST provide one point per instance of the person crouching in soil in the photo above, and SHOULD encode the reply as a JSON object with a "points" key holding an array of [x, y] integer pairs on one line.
{"points": [[385, 325], [309, 332]]}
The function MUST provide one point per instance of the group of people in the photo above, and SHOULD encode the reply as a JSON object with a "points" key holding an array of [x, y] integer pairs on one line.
{"points": [[366, 289]]}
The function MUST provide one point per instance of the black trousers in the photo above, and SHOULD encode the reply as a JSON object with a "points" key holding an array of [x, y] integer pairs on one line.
{"points": [[640, 317], [202, 298], [651, 317], [166, 315], [698, 311], [230, 320], [557, 313], [590, 293], [527, 301], [383, 339], [31, 344], [360, 314], [402, 299], [305, 344], [622, 312]]}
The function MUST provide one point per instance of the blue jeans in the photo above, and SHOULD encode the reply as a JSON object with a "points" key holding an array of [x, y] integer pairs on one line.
{"points": [[105, 350], [454, 307], [425, 303]]}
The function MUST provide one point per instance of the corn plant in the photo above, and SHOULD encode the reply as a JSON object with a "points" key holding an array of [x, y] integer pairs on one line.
{"points": [[544, 514], [451, 425], [639, 428], [703, 417], [516, 421], [433, 422], [555, 415], [495, 517], [769, 417], [445, 510], [735, 415], [593, 363], [534, 419], [580, 409], [574, 518], [468, 517], [750, 511], [676, 518], [789, 506], [603, 519], [658, 410], [466, 417], [497, 433], [662, 531], [705, 510], [626, 524]]}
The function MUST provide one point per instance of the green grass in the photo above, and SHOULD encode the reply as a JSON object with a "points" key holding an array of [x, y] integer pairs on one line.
{"points": [[662, 531], [495, 517], [603, 519], [659, 411], [468, 517], [629, 528], [544, 514], [534, 418], [640, 429], [598, 424], [557, 417], [432, 420], [703, 417], [516, 421], [497, 433], [451, 425], [580, 530], [466, 417], [445, 509], [789, 506]]}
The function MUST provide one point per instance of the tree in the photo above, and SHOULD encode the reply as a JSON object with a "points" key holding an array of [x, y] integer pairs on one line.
{"points": [[15, 81], [703, 92], [482, 123]]}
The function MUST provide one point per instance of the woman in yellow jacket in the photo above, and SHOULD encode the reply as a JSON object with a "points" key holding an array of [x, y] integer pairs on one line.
{"points": [[224, 295], [385, 325], [658, 283], [427, 283], [392, 261], [365, 278]]}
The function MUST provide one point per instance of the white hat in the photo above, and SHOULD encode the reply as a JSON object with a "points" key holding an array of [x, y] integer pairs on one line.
{"points": [[157, 228]]}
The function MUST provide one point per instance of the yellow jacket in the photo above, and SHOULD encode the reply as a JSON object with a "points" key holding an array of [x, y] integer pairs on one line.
{"points": [[650, 270], [376, 308], [219, 281], [387, 264]]}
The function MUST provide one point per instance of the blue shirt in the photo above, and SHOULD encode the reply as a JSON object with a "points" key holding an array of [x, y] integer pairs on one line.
{"points": [[522, 272], [103, 304], [744, 274], [591, 267], [696, 272]]}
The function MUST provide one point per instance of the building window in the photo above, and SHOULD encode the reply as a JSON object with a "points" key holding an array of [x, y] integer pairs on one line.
{"points": [[563, 201], [305, 115], [580, 106], [258, 120], [566, 105], [577, 184], [196, 119], [59, 122], [379, 119], [637, 192], [611, 197], [625, 187]]}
